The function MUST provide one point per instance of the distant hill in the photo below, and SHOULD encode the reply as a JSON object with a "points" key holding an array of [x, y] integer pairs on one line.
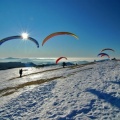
{"points": [[10, 65], [11, 58]]}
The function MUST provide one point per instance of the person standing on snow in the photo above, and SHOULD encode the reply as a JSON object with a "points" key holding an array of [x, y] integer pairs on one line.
{"points": [[63, 64], [20, 72]]}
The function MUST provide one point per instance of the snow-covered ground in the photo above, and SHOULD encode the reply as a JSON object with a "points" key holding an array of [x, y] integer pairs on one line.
{"points": [[56, 93]]}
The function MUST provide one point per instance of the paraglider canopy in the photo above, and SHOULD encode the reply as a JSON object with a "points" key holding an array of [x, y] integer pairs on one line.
{"points": [[23, 36], [107, 49], [58, 33], [103, 54], [58, 59]]}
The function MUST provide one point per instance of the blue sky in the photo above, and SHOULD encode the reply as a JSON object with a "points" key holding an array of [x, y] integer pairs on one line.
{"points": [[95, 22]]}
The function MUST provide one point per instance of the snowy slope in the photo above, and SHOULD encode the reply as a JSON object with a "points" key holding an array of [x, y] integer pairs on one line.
{"points": [[72, 93]]}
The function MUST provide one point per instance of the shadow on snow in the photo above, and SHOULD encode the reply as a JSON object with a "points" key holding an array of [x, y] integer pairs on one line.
{"points": [[115, 82], [26, 102], [114, 101], [84, 110]]}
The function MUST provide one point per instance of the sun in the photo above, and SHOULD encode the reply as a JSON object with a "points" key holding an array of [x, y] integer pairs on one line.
{"points": [[25, 35]]}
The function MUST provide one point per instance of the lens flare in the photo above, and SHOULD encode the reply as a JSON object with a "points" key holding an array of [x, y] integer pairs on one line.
{"points": [[25, 35]]}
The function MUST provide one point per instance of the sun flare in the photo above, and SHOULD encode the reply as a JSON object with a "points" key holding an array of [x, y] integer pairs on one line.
{"points": [[25, 35]]}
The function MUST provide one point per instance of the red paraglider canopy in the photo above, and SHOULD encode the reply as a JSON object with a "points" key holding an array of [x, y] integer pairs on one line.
{"points": [[60, 59]]}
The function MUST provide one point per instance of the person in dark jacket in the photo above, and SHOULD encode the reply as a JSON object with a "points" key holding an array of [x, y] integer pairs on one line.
{"points": [[63, 64], [20, 72]]}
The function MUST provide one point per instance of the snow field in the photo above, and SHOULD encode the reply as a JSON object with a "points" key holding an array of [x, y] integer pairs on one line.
{"points": [[83, 93]]}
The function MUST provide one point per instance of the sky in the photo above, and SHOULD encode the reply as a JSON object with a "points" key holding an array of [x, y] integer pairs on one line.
{"points": [[95, 22]]}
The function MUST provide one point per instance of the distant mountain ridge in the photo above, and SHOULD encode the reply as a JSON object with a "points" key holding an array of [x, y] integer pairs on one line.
{"points": [[10, 62], [11, 58], [9, 65]]}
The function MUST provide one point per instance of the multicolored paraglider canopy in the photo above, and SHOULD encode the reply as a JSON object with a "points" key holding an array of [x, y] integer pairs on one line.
{"points": [[58, 33], [103, 54]]}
